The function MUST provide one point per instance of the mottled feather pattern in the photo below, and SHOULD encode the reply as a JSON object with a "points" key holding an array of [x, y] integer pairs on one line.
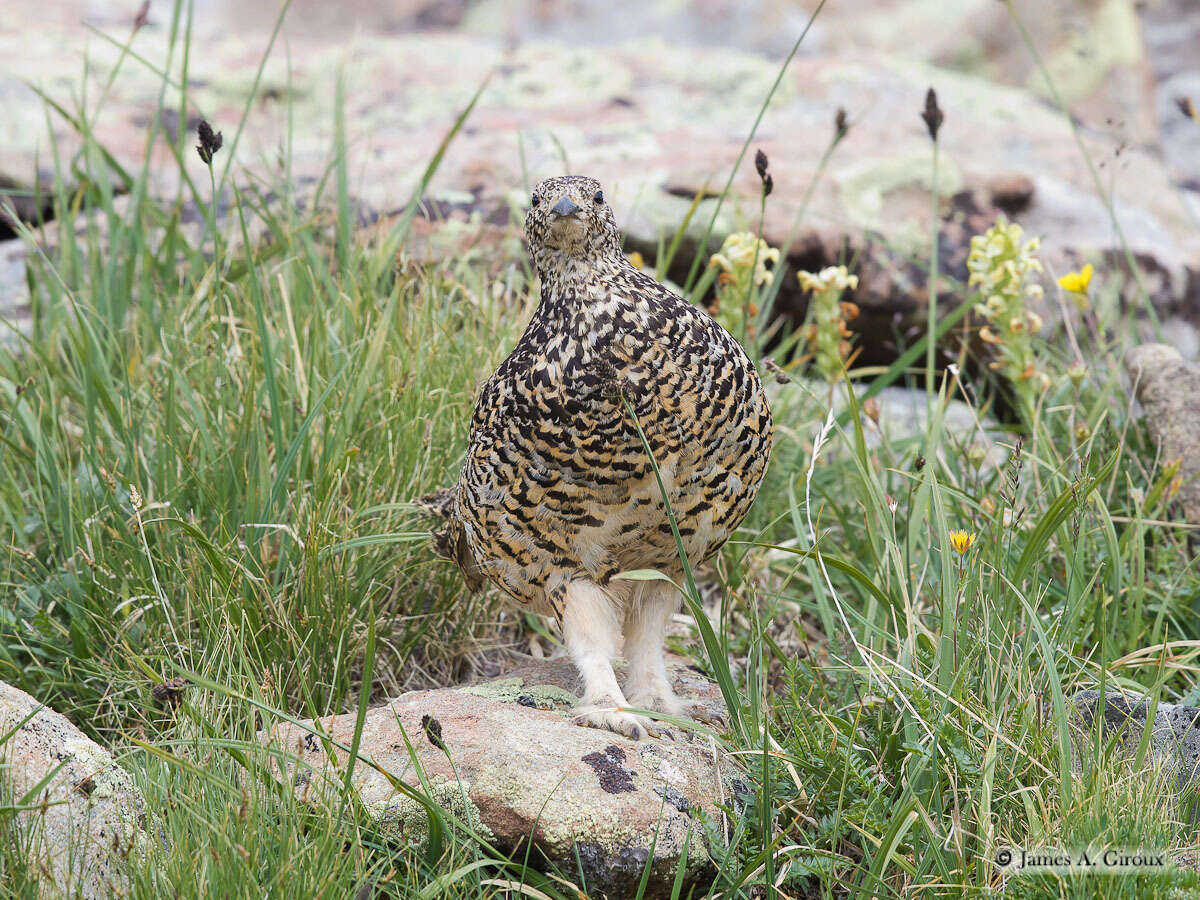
{"points": [[557, 486], [440, 503]]}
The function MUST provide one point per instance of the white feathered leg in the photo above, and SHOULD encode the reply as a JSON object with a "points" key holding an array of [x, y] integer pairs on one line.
{"points": [[647, 616], [591, 629]]}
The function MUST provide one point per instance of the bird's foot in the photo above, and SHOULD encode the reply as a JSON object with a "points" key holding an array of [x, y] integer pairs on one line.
{"points": [[613, 718], [660, 699], [657, 698]]}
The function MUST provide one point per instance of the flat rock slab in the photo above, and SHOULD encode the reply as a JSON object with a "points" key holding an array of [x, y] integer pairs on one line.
{"points": [[1168, 386], [599, 807], [88, 818]]}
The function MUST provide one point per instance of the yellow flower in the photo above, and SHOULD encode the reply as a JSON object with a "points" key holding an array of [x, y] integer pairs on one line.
{"points": [[831, 278], [743, 249], [961, 541], [636, 260], [1077, 282]]}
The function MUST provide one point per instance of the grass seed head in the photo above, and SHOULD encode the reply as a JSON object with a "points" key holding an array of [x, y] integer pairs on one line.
{"points": [[932, 114], [210, 142]]}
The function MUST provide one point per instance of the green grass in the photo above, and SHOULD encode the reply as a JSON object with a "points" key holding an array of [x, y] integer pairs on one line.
{"points": [[277, 408]]}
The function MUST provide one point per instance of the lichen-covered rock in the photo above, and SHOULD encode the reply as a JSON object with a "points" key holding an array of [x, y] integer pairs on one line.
{"points": [[1168, 386], [88, 818], [658, 121], [1174, 736], [597, 806]]}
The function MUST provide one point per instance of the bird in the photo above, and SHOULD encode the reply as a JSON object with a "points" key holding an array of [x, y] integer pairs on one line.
{"points": [[558, 495]]}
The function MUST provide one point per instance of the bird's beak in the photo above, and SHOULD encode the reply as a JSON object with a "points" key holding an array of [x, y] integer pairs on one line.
{"points": [[564, 207]]}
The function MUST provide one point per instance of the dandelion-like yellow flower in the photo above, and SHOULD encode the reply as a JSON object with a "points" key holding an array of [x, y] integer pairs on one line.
{"points": [[1077, 282], [636, 260], [961, 541]]}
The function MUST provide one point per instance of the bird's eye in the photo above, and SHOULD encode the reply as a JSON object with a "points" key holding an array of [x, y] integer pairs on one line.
{"points": [[599, 198], [535, 201]]}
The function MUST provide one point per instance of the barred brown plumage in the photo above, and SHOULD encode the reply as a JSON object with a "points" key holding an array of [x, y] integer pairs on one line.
{"points": [[557, 494]]}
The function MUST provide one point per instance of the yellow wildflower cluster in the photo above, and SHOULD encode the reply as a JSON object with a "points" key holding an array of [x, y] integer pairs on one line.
{"points": [[742, 261], [831, 278], [1004, 270], [827, 335]]}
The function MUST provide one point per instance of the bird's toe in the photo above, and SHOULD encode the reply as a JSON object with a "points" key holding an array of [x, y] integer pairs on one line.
{"points": [[612, 718]]}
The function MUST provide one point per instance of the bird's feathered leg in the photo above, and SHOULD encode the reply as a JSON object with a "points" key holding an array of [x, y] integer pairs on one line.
{"points": [[646, 619], [591, 629]]}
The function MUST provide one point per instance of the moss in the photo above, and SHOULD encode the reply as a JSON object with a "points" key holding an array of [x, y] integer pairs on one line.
{"points": [[406, 819], [1079, 67], [511, 690], [864, 190]]}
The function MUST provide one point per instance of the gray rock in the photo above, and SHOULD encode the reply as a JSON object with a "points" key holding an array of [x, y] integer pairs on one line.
{"points": [[89, 818], [1172, 34], [596, 805], [1168, 386], [896, 415], [1174, 735], [1176, 332]]}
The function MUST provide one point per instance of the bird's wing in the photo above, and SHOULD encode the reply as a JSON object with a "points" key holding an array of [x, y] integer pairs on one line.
{"points": [[450, 542], [440, 503]]}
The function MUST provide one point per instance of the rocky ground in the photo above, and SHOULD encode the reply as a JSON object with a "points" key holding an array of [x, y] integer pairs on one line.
{"points": [[83, 814], [659, 111]]}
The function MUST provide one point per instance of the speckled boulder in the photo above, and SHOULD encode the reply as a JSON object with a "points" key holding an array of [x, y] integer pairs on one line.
{"points": [[1174, 737], [89, 818], [1168, 386], [599, 807]]}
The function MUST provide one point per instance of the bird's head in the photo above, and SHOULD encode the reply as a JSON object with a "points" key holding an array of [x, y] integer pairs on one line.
{"points": [[569, 220]]}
